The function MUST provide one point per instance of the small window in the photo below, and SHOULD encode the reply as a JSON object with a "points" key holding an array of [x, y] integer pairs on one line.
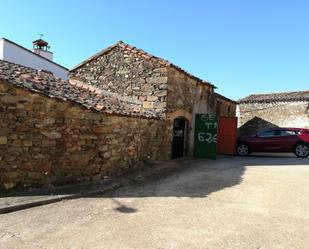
{"points": [[287, 133], [267, 134]]}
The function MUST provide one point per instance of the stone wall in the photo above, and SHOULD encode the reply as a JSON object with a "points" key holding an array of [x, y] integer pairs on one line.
{"points": [[187, 96], [257, 116], [125, 72], [186, 93], [47, 141], [162, 88], [225, 107]]}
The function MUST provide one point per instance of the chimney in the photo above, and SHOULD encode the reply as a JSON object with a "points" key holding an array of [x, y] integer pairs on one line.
{"points": [[41, 48]]}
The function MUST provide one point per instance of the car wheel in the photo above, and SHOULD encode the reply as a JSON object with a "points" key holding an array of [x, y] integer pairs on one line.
{"points": [[301, 150], [243, 150]]}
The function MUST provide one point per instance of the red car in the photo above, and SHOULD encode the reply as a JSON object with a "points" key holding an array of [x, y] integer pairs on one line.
{"points": [[276, 140]]}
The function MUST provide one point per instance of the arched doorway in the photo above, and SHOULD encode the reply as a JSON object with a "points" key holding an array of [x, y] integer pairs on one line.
{"points": [[179, 144]]}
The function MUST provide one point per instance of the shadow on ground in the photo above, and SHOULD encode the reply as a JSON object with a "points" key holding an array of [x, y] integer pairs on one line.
{"points": [[193, 178], [200, 178]]}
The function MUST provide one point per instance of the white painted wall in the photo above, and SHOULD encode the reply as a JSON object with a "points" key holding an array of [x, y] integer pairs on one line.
{"points": [[1, 49], [46, 54], [13, 53], [238, 116]]}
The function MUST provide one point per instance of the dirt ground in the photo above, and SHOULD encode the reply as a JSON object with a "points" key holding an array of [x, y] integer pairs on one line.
{"points": [[242, 203]]}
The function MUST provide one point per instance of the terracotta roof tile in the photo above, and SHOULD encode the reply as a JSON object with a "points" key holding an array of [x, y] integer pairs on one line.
{"points": [[224, 98], [276, 97], [74, 91]]}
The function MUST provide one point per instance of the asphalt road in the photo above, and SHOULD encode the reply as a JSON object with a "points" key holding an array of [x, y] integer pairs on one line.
{"points": [[255, 202]]}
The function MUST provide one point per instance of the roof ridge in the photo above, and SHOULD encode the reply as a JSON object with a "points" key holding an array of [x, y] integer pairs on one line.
{"points": [[132, 48], [279, 96], [96, 55], [272, 93], [225, 98]]}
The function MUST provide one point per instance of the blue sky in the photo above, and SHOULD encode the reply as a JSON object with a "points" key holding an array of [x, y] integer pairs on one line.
{"points": [[243, 47]]}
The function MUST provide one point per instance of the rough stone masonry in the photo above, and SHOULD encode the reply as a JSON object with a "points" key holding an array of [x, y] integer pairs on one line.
{"points": [[47, 141], [115, 112], [261, 111]]}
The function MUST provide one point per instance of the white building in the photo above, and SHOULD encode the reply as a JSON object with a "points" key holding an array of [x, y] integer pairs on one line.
{"points": [[40, 58]]}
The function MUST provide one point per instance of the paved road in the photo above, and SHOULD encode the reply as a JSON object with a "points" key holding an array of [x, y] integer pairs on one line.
{"points": [[255, 202]]}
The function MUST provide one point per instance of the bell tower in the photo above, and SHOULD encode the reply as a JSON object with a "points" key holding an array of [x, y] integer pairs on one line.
{"points": [[42, 48]]}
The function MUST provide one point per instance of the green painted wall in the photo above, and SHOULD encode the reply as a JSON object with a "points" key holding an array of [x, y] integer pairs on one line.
{"points": [[205, 136]]}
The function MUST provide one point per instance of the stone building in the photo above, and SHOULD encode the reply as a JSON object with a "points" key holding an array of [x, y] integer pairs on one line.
{"points": [[160, 85], [262, 111], [225, 107], [119, 108]]}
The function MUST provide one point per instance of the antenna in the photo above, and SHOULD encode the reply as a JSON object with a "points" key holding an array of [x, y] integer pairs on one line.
{"points": [[41, 36]]}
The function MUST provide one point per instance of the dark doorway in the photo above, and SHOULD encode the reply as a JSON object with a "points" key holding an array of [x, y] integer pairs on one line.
{"points": [[179, 134]]}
